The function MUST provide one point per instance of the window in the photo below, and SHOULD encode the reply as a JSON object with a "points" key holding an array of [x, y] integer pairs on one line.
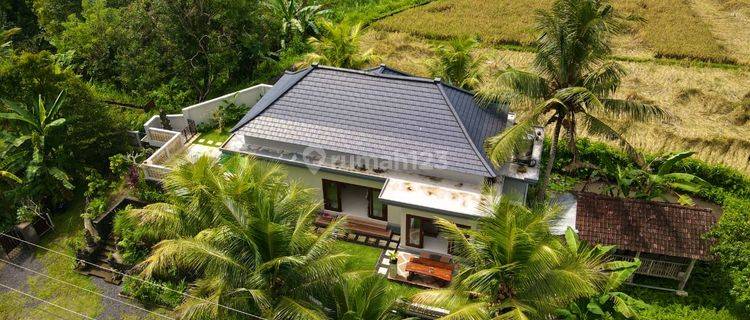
{"points": [[331, 195], [376, 209], [414, 231]]}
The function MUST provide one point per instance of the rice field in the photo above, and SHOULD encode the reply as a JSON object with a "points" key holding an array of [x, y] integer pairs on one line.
{"points": [[708, 104], [707, 30]]}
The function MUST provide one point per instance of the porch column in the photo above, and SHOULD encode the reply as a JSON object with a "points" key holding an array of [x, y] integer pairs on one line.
{"points": [[683, 282], [630, 279]]}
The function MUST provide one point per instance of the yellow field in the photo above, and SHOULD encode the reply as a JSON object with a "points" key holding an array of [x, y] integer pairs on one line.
{"points": [[708, 30], [705, 102]]}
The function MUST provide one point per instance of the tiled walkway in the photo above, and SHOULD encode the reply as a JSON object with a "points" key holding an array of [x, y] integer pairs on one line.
{"points": [[389, 246]]}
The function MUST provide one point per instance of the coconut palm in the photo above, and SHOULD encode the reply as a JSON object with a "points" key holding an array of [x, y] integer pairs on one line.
{"points": [[297, 17], [32, 148], [9, 176], [456, 63], [244, 233], [338, 46], [572, 84], [359, 296], [513, 268]]}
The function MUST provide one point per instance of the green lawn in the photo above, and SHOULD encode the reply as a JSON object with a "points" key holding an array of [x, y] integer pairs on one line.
{"points": [[213, 135], [365, 258]]}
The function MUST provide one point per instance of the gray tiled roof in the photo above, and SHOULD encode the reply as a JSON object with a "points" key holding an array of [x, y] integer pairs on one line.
{"points": [[377, 115]]}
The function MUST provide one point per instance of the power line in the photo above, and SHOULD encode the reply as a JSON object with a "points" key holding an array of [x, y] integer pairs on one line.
{"points": [[47, 302], [136, 278], [84, 289], [23, 302]]}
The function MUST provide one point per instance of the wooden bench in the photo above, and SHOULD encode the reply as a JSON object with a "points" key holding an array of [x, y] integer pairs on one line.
{"points": [[363, 226]]}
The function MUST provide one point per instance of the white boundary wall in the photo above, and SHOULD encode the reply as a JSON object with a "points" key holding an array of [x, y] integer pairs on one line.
{"points": [[203, 112]]}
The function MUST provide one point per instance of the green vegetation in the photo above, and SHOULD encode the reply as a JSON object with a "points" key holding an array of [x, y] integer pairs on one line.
{"points": [[456, 63], [339, 46], [571, 87], [213, 135], [512, 266]]}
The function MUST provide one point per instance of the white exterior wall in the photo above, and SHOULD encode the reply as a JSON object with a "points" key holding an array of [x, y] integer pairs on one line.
{"points": [[204, 111], [396, 214]]}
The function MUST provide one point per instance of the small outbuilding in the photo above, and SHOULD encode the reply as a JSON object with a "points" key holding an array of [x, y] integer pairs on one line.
{"points": [[666, 237]]}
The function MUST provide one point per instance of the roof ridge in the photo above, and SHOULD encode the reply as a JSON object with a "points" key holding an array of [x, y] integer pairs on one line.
{"points": [[487, 166], [378, 75]]}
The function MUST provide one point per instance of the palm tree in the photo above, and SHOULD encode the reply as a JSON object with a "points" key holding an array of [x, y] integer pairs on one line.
{"points": [[296, 17], [513, 268], [359, 296], [338, 46], [455, 64], [609, 304], [9, 176], [244, 233], [572, 84], [32, 148]]}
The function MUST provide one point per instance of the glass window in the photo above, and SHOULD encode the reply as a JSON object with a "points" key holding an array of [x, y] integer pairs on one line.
{"points": [[331, 195], [377, 209], [414, 235]]}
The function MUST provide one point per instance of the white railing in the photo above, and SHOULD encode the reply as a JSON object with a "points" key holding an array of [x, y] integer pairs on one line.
{"points": [[172, 142], [154, 167]]}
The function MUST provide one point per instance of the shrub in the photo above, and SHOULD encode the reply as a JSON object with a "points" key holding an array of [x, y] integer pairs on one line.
{"points": [[154, 294], [228, 114], [732, 248], [149, 191], [133, 241]]}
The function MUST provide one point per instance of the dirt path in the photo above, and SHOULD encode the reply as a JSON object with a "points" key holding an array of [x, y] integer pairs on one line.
{"points": [[731, 28]]}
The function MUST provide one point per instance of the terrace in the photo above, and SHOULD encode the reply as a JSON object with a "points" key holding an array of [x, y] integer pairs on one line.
{"points": [[182, 142]]}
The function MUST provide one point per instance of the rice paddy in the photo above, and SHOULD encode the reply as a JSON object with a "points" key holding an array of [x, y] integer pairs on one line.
{"points": [[706, 30], [709, 105]]}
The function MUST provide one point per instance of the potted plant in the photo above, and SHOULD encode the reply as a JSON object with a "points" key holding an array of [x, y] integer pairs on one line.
{"points": [[393, 266]]}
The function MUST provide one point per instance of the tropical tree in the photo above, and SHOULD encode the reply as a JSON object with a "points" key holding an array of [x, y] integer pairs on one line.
{"points": [[456, 63], [9, 176], [513, 268], [609, 304], [657, 179], [244, 234], [572, 86], [338, 46], [297, 17], [359, 296], [33, 147]]}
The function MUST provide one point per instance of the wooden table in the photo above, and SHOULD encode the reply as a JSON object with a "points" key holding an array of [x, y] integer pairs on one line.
{"points": [[436, 272]]}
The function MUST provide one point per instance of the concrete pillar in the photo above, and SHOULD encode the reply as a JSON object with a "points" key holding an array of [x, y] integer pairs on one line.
{"points": [[28, 232]]}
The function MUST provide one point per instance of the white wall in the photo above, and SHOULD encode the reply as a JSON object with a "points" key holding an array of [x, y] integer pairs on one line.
{"points": [[203, 112]]}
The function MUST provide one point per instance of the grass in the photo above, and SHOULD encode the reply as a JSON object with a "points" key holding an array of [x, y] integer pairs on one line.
{"points": [[708, 297], [672, 28], [367, 11], [710, 120], [68, 227], [213, 135], [364, 258]]}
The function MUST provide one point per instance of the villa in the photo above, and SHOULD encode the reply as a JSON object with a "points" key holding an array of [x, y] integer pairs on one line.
{"points": [[390, 151]]}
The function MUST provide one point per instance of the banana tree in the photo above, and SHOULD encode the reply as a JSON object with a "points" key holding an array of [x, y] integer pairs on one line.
{"points": [[609, 303], [31, 149]]}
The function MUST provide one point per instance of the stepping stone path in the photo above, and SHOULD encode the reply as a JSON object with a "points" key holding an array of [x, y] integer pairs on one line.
{"points": [[201, 140]]}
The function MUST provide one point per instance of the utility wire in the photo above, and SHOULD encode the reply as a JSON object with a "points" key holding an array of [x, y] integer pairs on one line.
{"points": [[136, 278], [23, 302], [47, 302], [84, 289]]}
